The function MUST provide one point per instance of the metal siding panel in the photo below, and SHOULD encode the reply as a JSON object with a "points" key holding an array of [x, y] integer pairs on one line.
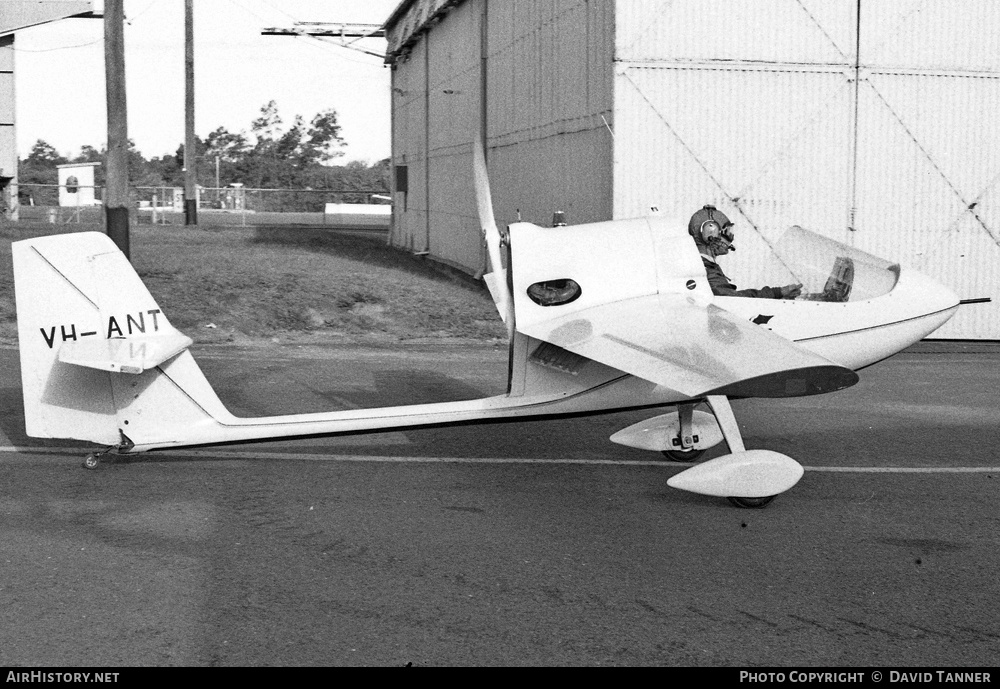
{"points": [[455, 233], [454, 103], [772, 140], [923, 199], [928, 186], [800, 31], [454, 78], [545, 56], [945, 34], [501, 68], [8, 138], [570, 172], [749, 104], [742, 103], [8, 151], [7, 53], [6, 97], [20, 14], [600, 57], [524, 48], [548, 68], [571, 59], [409, 149]]}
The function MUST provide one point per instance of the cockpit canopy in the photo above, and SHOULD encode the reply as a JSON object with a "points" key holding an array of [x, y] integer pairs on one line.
{"points": [[831, 271]]}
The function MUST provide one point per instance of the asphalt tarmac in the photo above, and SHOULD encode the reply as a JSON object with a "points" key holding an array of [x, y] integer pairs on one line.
{"points": [[536, 543]]}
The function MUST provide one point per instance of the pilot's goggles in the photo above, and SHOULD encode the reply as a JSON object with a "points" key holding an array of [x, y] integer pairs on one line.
{"points": [[711, 228]]}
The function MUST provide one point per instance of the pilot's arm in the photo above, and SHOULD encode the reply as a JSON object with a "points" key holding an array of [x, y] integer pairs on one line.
{"points": [[722, 287]]}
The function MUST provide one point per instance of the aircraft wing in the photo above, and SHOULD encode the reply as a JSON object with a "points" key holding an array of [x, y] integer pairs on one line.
{"points": [[693, 347]]}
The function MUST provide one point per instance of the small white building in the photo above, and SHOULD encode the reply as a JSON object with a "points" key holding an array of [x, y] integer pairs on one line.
{"points": [[77, 185], [872, 122]]}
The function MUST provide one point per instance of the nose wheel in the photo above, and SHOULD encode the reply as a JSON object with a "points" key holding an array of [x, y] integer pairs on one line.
{"points": [[682, 455]]}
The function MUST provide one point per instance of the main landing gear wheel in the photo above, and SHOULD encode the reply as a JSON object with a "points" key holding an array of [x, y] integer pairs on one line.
{"points": [[682, 456], [752, 503]]}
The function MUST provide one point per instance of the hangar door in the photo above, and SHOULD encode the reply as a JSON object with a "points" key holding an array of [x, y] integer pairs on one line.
{"points": [[869, 121]]}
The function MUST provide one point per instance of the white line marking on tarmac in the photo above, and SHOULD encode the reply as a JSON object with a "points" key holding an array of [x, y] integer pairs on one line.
{"points": [[905, 470], [230, 454]]}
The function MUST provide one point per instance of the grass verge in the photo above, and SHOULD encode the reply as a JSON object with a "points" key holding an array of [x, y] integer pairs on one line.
{"points": [[286, 285]]}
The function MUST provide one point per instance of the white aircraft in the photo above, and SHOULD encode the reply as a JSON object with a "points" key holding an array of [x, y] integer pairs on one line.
{"points": [[601, 317]]}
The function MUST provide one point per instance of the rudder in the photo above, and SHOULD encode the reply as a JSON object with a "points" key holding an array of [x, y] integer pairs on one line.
{"points": [[85, 323]]}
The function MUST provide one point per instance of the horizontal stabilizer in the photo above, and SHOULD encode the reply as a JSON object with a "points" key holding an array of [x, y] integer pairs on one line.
{"points": [[133, 355]]}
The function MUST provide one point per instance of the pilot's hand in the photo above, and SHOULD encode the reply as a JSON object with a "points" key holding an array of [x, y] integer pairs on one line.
{"points": [[791, 291]]}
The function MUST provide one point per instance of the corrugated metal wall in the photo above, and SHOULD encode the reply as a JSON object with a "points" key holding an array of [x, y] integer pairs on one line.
{"points": [[435, 84], [871, 122], [929, 156], [764, 108], [409, 150], [547, 120], [454, 47], [746, 104], [550, 104]]}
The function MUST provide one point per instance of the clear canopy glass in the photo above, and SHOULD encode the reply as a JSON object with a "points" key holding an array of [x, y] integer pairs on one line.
{"points": [[831, 271]]}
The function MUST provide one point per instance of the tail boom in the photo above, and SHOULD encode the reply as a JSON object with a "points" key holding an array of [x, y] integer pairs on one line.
{"points": [[100, 362]]}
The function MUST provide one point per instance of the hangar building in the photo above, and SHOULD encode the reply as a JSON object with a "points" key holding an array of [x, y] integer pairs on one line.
{"points": [[16, 15], [872, 122]]}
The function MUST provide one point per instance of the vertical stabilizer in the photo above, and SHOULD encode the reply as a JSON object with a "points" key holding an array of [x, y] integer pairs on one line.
{"points": [[94, 346]]}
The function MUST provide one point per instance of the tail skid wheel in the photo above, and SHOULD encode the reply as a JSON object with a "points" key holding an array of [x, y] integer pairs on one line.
{"points": [[682, 455], [752, 503], [91, 461]]}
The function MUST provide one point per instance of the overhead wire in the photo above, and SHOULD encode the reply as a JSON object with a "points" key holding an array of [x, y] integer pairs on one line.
{"points": [[130, 20], [62, 47], [100, 39]]}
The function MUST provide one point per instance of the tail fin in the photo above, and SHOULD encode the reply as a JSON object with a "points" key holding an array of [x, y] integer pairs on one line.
{"points": [[95, 348]]}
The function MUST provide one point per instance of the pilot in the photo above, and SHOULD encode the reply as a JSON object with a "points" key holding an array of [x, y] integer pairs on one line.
{"points": [[713, 234]]}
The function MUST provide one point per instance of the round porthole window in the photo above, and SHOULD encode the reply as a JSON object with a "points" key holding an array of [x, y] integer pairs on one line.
{"points": [[554, 292]]}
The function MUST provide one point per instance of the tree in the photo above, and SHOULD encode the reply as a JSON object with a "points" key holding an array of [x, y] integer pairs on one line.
{"points": [[226, 146], [44, 155], [323, 137], [284, 158], [89, 154], [271, 155], [39, 168]]}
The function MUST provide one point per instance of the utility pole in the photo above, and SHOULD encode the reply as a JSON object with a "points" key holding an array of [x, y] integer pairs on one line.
{"points": [[116, 195], [190, 152]]}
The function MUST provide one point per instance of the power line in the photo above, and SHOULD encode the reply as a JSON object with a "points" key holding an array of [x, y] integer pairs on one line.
{"points": [[129, 21], [63, 47]]}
